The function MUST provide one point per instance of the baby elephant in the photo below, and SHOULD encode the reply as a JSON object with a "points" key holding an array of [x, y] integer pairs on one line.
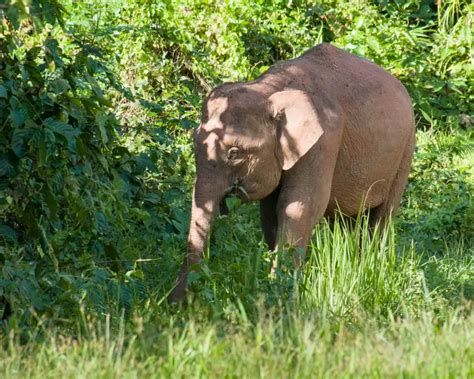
{"points": [[324, 131]]}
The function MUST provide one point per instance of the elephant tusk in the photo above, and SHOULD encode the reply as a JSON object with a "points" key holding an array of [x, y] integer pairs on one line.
{"points": [[233, 187], [237, 187], [242, 189]]}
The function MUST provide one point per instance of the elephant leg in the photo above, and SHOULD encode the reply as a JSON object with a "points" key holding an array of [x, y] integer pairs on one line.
{"points": [[297, 220], [381, 214], [301, 207], [269, 218]]}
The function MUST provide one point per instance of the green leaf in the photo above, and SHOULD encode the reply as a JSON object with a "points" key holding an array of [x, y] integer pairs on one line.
{"points": [[101, 220], [6, 168], [53, 52], [33, 52], [373, 44], [3, 92], [59, 86], [19, 141], [15, 12], [4, 184], [101, 119], [81, 148], [61, 128], [193, 276], [8, 233], [18, 112], [233, 203]]}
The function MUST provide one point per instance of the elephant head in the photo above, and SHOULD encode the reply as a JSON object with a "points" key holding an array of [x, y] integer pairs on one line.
{"points": [[248, 136]]}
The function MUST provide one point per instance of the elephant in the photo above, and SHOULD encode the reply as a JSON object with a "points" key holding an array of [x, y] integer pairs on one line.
{"points": [[322, 132]]}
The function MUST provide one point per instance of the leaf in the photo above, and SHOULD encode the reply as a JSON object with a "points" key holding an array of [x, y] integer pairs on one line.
{"points": [[193, 276], [8, 233], [81, 148], [102, 224], [152, 198], [3, 92], [52, 50], [33, 52], [126, 297], [101, 119], [19, 141], [15, 12], [233, 203], [59, 86], [18, 112], [6, 168], [140, 214], [142, 163], [4, 184], [373, 44], [61, 128]]}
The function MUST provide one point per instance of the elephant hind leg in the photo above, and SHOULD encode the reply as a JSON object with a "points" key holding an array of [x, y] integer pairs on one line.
{"points": [[382, 213]]}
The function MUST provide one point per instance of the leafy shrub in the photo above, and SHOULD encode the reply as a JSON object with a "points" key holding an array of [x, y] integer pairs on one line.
{"points": [[62, 174]]}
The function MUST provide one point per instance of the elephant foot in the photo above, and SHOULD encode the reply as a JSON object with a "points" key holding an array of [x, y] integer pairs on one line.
{"points": [[177, 294], [179, 291]]}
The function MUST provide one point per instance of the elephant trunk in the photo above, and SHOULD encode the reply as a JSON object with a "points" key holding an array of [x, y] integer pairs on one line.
{"points": [[205, 205]]}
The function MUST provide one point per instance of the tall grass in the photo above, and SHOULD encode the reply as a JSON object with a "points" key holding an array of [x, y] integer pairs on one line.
{"points": [[350, 269], [354, 269]]}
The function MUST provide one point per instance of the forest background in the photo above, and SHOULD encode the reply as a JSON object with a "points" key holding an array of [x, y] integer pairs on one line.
{"points": [[98, 100]]}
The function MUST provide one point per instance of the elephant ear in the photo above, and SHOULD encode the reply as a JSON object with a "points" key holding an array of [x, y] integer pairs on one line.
{"points": [[297, 122]]}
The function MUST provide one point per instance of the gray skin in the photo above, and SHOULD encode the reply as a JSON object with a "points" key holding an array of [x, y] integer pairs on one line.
{"points": [[326, 130]]}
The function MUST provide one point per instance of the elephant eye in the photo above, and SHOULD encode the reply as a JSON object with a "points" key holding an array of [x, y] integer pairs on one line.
{"points": [[233, 153]]}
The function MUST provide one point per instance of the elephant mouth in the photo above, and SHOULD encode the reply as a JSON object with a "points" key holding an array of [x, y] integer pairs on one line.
{"points": [[235, 190]]}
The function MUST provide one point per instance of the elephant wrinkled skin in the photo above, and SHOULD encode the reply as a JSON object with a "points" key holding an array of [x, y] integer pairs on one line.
{"points": [[323, 131]]}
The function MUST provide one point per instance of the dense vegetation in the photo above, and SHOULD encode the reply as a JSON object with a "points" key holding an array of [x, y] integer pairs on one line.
{"points": [[97, 105]]}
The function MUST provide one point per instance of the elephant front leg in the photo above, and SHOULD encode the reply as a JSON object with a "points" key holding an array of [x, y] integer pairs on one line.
{"points": [[296, 225], [299, 209]]}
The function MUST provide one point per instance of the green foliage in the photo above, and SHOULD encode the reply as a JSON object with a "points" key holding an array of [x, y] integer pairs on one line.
{"points": [[439, 200], [66, 185], [97, 103], [37, 12]]}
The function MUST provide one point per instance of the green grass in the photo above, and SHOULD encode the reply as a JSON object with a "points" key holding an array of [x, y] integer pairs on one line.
{"points": [[274, 347]]}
